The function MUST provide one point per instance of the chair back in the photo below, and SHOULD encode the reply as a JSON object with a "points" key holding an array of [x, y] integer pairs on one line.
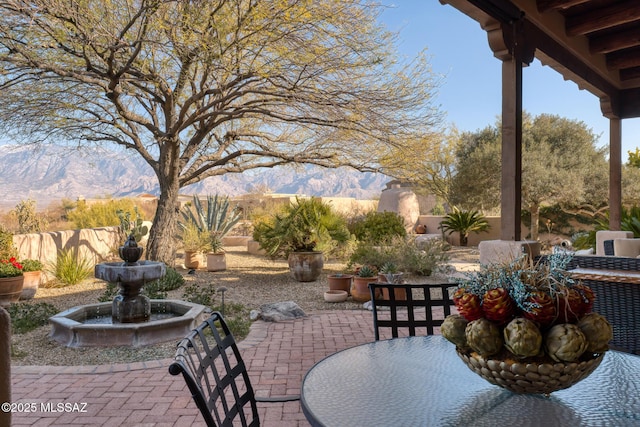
{"points": [[210, 362], [413, 309]]}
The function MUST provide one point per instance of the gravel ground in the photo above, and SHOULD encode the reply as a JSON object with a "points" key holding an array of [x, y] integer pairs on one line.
{"points": [[251, 280]]}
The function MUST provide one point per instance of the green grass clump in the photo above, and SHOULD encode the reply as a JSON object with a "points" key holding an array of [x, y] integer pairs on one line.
{"points": [[70, 268]]}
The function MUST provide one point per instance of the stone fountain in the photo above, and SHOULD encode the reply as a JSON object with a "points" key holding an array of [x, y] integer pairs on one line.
{"points": [[132, 319]]}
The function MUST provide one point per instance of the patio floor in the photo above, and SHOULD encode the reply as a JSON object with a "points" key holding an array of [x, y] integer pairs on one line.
{"points": [[144, 394]]}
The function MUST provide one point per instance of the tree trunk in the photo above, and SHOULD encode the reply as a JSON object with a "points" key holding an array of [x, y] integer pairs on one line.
{"points": [[464, 238], [161, 245], [535, 218]]}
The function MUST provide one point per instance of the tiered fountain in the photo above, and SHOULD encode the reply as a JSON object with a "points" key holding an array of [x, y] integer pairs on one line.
{"points": [[132, 319]]}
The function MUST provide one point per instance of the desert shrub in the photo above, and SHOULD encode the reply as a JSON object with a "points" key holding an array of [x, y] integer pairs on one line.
{"points": [[69, 268], [423, 258], [405, 253], [7, 249], [26, 317], [378, 227], [101, 214], [29, 221], [200, 295]]}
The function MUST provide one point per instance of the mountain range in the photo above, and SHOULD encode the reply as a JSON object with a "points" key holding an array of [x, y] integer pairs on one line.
{"points": [[49, 173]]}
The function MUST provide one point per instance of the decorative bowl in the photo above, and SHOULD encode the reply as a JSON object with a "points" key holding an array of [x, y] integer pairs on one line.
{"points": [[335, 296], [539, 376]]}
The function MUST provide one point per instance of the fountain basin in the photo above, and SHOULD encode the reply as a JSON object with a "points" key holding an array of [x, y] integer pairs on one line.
{"points": [[119, 272], [91, 325]]}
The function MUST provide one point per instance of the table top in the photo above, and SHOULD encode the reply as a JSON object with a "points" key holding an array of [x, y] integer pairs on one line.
{"points": [[420, 381]]}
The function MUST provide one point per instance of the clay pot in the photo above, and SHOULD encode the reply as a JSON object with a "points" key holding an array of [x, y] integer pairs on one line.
{"points": [[335, 296], [10, 289], [306, 266], [31, 284], [360, 288], [340, 282], [193, 259], [216, 261]]}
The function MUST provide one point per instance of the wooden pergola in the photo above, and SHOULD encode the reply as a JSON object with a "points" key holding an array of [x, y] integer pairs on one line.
{"points": [[595, 43]]}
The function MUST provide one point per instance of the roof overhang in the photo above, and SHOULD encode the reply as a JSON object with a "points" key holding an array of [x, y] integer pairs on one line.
{"points": [[594, 43]]}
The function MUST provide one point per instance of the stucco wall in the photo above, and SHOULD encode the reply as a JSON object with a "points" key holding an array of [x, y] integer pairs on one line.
{"points": [[95, 245]]}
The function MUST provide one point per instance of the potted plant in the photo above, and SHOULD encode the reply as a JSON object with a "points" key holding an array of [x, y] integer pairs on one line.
{"points": [[212, 223], [32, 273], [360, 289], [11, 281], [195, 243], [216, 258], [302, 233], [389, 274]]}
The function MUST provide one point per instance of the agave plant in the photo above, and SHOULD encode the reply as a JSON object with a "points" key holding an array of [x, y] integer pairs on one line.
{"points": [[464, 222], [215, 220]]}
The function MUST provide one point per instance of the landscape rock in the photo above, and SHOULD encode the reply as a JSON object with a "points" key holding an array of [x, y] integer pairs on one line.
{"points": [[281, 311]]}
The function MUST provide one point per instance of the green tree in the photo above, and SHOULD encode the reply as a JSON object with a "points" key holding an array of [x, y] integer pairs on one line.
{"points": [[560, 165], [634, 158], [205, 88], [464, 222]]}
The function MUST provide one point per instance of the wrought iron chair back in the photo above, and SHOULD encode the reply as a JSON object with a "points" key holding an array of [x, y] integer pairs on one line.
{"points": [[410, 308], [210, 362]]}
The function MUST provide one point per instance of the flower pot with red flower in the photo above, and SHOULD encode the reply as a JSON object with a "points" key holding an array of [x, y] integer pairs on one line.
{"points": [[11, 281]]}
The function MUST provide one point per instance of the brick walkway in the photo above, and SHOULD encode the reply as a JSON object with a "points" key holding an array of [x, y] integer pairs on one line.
{"points": [[145, 394]]}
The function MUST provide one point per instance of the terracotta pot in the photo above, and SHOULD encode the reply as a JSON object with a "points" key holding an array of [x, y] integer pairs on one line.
{"points": [[193, 259], [360, 289], [31, 284], [10, 289], [400, 294], [306, 266], [216, 261], [340, 282]]}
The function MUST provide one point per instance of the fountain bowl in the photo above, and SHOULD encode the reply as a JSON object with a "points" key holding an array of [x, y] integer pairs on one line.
{"points": [[91, 325], [136, 273]]}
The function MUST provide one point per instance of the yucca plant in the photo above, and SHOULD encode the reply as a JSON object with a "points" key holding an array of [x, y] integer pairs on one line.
{"points": [[464, 222]]}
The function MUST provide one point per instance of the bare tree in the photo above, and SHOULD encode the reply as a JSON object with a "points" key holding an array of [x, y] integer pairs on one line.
{"points": [[204, 88]]}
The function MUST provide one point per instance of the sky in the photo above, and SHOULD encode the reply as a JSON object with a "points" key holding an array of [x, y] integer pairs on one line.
{"points": [[470, 93]]}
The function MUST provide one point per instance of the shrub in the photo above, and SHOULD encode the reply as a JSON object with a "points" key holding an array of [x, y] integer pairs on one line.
{"points": [[378, 227], [423, 258], [29, 221], [26, 317], [7, 249], [101, 214], [69, 268], [199, 295], [31, 265], [305, 225]]}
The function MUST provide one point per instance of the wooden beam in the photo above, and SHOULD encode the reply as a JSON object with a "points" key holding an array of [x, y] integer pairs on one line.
{"points": [[603, 17], [546, 5], [630, 73], [616, 41], [626, 58], [630, 101], [511, 181]]}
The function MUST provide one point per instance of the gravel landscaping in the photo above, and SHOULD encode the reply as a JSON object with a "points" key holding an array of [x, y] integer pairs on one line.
{"points": [[250, 280]]}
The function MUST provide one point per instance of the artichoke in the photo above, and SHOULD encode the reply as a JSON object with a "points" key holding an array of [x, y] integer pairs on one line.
{"points": [[597, 331], [453, 329], [565, 342], [522, 337], [484, 337]]}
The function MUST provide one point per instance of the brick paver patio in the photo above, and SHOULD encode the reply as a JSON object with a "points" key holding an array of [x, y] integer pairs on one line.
{"points": [[144, 394]]}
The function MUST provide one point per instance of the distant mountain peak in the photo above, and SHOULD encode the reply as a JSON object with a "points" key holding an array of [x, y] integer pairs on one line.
{"points": [[50, 173]]}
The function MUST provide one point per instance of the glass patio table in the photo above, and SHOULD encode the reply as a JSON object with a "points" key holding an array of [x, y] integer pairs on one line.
{"points": [[420, 381]]}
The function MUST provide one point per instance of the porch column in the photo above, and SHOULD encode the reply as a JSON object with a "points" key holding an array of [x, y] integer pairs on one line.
{"points": [[510, 205], [615, 173]]}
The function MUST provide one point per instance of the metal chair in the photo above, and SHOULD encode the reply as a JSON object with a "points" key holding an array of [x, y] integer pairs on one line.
{"points": [[211, 364], [410, 307]]}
